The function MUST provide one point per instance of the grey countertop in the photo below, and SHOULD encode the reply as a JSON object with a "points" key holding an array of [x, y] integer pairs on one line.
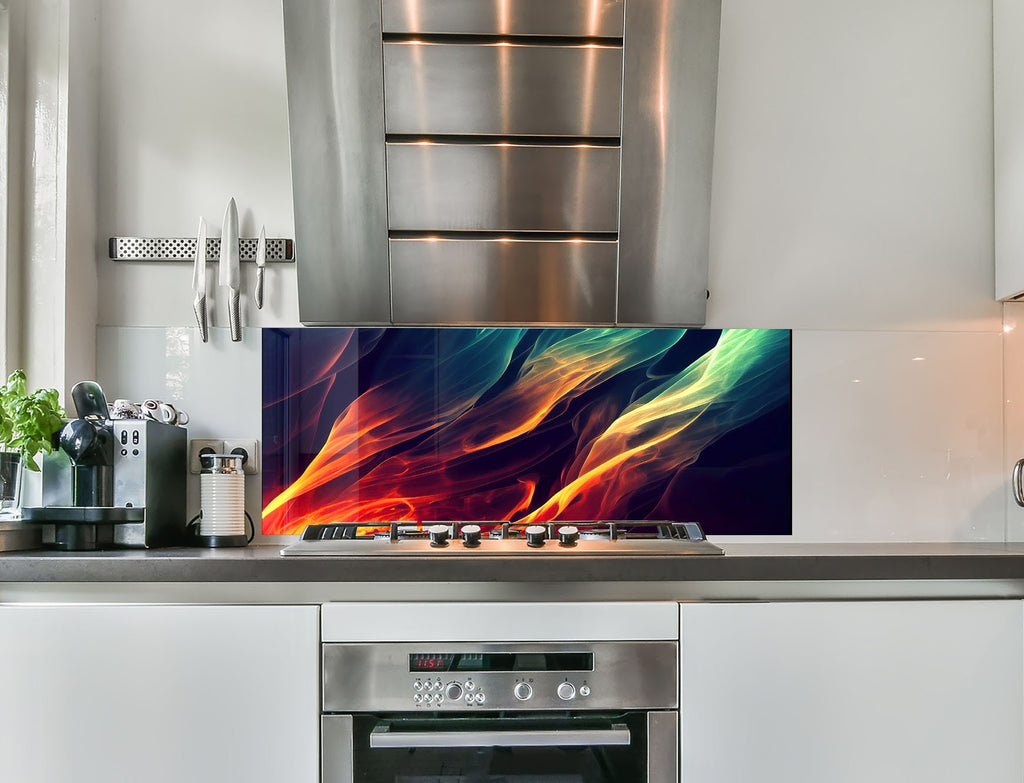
{"points": [[741, 563]]}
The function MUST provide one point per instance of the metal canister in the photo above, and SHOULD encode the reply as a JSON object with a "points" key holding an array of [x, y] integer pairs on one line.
{"points": [[222, 499]]}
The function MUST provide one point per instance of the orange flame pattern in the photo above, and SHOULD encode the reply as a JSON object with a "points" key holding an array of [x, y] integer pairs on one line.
{"points": [[505, 424]]}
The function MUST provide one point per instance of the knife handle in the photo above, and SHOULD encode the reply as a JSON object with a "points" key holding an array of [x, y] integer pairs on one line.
{"points": [[234, 317], [258, 294], [199, 306]]}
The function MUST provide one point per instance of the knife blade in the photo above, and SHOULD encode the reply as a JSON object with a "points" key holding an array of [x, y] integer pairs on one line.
{"points": [[199, 282], [261, 262], [229, 272]]}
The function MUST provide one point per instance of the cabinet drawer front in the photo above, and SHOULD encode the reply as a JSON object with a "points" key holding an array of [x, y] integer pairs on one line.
{"points": [[502, 89], [504, 17], [496, 187], [478, 281]]}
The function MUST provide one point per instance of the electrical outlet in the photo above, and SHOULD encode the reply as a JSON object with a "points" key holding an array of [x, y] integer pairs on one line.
{"points": [[249, 448], [198, 446]]}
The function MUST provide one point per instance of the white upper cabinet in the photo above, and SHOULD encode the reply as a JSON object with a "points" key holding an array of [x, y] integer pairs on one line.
{"points": [[1008, 111]]}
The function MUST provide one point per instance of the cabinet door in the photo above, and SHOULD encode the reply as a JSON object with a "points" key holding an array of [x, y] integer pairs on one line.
{"points": [[162, 694], [927, 691], [1008, 128]]}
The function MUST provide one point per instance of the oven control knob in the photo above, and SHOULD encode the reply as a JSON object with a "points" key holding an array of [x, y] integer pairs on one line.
{"points": [[438, 535], [584, 690], [535, 535], [566, 691], [522, 691], [568, 535], [453, 691], [471, 535]]}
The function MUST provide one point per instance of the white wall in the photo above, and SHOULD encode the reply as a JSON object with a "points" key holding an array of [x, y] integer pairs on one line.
{"points": [[853, 166], [194, 112], [852, 203]]}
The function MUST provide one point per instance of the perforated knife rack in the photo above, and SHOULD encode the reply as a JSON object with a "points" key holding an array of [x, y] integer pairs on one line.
{"points": [[279, 251]]}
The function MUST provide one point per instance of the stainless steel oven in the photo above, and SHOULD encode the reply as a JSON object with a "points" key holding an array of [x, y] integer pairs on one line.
{"points": [[518, 712]]}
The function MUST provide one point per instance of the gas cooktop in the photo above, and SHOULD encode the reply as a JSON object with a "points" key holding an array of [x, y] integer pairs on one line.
{"points": [[459, 539]]}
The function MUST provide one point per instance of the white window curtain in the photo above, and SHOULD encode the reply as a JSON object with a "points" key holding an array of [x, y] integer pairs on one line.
{"points": [[7, 322], [48, 152]]}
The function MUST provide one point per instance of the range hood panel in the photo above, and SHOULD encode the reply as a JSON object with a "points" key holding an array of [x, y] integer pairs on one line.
{"points": [[592, 18], [463, 282], [335, 125], [438, 88], [502, 188], [668, 139], [579, 131]]}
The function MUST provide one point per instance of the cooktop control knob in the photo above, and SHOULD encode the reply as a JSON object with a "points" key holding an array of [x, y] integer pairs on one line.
{"points": [[438, 535], [568, 535], [522, 691], [535, 535], [471, 535], [453, 691], [566, 691]]}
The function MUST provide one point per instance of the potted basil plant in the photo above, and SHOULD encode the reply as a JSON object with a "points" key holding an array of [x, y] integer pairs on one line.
{"points": [[28, 423]]}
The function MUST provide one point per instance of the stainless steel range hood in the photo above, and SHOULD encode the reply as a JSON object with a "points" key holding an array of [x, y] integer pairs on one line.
{"points": [[502, 161]]}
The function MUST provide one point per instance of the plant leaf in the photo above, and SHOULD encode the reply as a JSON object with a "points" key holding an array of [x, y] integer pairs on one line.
{"points": [[28, 422]]}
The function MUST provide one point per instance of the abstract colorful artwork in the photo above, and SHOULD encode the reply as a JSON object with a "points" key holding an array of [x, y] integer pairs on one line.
{"points": [[509, 424]]}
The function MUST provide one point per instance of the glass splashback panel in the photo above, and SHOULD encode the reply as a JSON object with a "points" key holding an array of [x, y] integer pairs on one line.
{"points": [[423, 424]]}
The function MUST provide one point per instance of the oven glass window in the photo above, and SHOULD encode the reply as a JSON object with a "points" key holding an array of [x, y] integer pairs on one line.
{"points": [[482, 760]]}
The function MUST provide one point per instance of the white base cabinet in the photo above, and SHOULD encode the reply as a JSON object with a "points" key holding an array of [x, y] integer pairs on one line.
{"points": [[858, 692], [160, 694]]}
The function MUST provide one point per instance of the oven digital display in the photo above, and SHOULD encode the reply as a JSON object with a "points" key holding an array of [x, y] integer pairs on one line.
{"points": [[502, 662]]}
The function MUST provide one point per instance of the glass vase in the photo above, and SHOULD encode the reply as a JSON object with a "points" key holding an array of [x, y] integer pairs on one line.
{"points": [[11, 469]]}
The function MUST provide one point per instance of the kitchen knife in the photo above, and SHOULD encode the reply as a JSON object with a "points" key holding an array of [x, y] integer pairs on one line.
{"points": [[229, 274], [261, 262], [199, 281]]}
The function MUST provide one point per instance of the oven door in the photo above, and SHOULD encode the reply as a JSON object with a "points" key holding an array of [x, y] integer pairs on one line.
{"points": [[631, 747]]}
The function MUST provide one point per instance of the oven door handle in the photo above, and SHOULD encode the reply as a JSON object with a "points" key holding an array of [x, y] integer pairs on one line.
{"points": [[383, 737]]}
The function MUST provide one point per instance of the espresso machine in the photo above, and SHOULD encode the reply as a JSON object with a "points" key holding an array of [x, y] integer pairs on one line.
{"points": [[112, 482]]}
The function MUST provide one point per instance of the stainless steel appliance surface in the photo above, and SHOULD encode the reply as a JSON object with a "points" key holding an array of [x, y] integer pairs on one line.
{"points": [[504, 539], [15, 536], [538, 124], [531, 711], [144, 496]]}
